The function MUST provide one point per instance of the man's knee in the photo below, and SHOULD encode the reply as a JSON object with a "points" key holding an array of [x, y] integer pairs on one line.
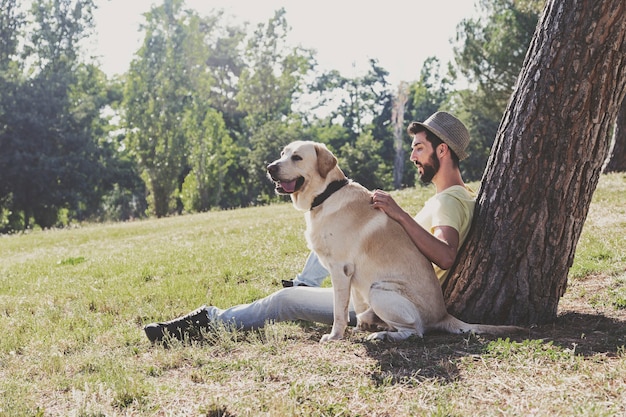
{"points": [[283, 300]]}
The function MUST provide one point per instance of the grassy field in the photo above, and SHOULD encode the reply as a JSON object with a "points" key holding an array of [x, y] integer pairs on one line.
{"points": [[73, 303]]}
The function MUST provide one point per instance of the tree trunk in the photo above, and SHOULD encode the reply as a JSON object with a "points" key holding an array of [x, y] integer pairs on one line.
{"points": [[617, 159], [544, 167], [397, 121]]}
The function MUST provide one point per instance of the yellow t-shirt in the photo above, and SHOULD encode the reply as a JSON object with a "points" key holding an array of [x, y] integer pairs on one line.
{"points": [[452, 207]]}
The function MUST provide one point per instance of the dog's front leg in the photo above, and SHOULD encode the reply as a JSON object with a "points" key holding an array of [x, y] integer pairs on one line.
{"points": [[340, 276]]}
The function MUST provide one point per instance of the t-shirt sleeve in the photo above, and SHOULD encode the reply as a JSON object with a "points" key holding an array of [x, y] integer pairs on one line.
{"points": [[448, 211]]}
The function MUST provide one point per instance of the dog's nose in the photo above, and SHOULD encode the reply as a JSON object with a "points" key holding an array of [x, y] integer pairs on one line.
{"points": [[272, 168]]}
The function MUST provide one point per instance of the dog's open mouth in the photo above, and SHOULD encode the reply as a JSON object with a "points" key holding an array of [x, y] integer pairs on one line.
{"points": [[289, 187]]}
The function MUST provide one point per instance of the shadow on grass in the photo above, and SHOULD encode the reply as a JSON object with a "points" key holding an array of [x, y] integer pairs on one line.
{"points": [[589, 334], [432, 358], [436, 356]]}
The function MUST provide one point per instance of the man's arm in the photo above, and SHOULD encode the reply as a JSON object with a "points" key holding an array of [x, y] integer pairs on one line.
{"points": [[440, 248]]}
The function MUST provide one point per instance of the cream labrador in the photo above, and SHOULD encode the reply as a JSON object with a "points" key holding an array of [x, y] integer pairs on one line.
{"points": [[370, 257]]}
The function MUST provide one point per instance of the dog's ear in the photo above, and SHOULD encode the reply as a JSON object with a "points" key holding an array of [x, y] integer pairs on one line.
{"points": [[326, 161]]}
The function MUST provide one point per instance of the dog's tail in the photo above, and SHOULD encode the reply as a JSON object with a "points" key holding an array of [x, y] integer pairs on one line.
{"points": [[451, 324]]}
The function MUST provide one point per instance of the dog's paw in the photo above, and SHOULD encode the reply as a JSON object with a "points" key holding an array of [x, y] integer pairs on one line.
{"points": [[377, 336], [393, 336], [364, 327], [329, 338]]}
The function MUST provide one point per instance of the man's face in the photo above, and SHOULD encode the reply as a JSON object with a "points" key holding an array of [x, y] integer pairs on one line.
{"points": [[424, 158]]}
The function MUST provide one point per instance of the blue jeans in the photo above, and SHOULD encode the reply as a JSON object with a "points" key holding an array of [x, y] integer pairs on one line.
{"points": [[309, 303], [289, 304], [313, 272]]}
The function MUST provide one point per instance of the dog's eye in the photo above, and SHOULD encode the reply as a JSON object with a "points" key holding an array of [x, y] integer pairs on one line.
{"points": [[296, 158]]}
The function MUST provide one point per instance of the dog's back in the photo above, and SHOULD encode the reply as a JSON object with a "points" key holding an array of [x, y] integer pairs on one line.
{"points": [[348, 230]]}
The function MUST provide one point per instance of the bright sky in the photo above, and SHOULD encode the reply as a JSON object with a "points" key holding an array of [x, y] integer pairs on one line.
{"points": [[401, 34]]}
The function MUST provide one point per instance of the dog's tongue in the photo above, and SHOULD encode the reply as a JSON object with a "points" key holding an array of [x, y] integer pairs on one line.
{"points": [[289, 187]]}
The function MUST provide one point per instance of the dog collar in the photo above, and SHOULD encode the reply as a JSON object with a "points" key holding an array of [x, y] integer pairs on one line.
{"points": [[330, 190]]}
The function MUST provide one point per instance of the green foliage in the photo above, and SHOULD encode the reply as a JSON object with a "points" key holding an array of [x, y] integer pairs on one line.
{"points": [[482, 128], [333, 135], [206, 105], [429, 93], [266, 143], [191, 193], [52, 158], [364, 163], [490, 54], [266, 89], [494, 46], [72, 260], [159, 86], [425, 97], [273, 75], [211, 154]]}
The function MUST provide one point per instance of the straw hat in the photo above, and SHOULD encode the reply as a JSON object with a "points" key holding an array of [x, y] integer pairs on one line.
{"points": [[450, 130]]}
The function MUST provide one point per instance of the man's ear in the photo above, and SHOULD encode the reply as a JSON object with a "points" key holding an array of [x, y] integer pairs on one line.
{"points": [[326, 161]]}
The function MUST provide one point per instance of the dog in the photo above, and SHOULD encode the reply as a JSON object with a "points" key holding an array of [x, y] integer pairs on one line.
{"points": [[371, 259]]}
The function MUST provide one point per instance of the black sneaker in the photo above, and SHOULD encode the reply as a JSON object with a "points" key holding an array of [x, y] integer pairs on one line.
{"points": [[189, 325], [289, 283]]}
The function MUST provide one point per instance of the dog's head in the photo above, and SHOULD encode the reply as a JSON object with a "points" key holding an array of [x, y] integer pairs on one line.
{"points": [[303, 171]]}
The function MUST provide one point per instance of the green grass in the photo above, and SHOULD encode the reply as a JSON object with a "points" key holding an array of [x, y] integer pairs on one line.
{"points": [[602, 247], [73, 302]]}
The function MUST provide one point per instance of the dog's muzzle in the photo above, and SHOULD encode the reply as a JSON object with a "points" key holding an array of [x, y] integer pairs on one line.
{"points": [[283, 186], [289, 187]]}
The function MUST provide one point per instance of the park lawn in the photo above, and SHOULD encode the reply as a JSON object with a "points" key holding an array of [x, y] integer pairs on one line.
{"points": [[73, 303]]}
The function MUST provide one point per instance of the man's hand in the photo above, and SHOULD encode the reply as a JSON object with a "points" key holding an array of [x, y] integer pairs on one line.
{"points": [[383, 201], [440, 246]]}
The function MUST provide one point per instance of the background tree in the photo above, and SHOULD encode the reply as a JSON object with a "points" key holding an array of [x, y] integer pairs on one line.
{"points": [[494, 45], [225, 63], [210, 158], [362, 101], [490, 54], [51, 160], [399, 133], [126, 198], [331, 134], [11, 23], [545, 165], [267, 87], [364, 163], [430, 92], [160, 85], [362, 106]]}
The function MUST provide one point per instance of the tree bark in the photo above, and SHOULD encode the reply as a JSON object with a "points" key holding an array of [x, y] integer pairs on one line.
{"points": [[544, 167], [397, 121], [617, 159]]}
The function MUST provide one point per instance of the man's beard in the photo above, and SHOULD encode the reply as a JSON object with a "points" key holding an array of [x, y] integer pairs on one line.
{"points": [[429, 170]]}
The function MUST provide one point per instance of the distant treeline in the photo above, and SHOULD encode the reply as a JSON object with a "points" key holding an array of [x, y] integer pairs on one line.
{"points": [[205, 105]]}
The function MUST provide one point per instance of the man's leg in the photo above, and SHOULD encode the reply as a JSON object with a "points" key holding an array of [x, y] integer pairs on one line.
{"points": [[312, 274], [289, 304]]}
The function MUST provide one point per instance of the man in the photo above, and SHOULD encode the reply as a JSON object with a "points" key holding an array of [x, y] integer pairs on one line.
{"points": [[438, 230]]}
